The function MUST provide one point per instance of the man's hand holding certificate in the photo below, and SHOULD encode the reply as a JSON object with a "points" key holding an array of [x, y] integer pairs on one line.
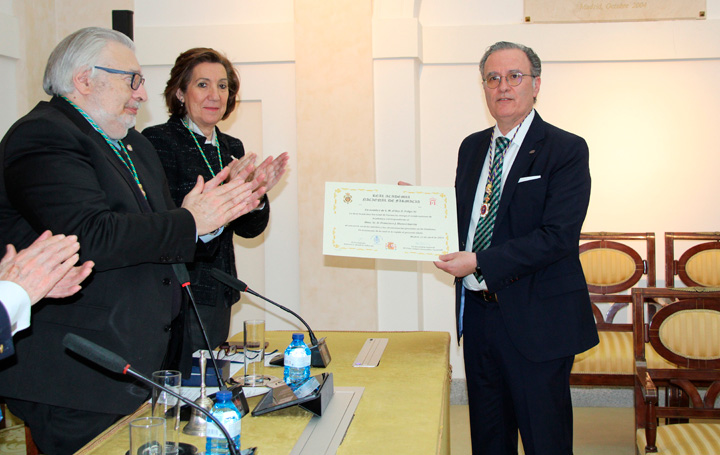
{"points": [[415, 223]]}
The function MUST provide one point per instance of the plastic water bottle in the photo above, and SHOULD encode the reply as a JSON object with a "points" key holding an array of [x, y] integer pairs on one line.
{"points": [[297, 361], [225, 411]]}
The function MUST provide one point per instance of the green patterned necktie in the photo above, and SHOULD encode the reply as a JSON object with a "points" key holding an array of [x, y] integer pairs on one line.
{"points": [[491, 199]]}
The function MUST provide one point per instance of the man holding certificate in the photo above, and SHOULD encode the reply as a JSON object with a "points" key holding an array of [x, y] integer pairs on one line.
{"points": [[522, 190]]}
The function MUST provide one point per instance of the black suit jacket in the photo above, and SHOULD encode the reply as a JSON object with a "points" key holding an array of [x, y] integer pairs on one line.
{"points": [[532, 262], [60, 174], [183, 162]]}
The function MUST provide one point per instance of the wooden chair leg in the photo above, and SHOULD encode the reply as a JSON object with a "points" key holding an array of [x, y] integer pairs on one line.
{"points": [[30, 447]]}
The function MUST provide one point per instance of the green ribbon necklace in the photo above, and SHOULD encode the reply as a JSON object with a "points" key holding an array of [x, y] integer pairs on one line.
{"points": [[120, 147], [202, 152]]}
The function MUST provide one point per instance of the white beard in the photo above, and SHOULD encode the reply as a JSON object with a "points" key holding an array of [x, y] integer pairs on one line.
{"points": [[116, 127]]}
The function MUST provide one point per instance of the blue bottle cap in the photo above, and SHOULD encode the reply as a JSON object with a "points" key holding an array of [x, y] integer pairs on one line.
{"points": [[223, 395], [298, 336]]}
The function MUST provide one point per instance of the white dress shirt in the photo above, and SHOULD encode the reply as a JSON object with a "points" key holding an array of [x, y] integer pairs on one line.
{"points": [[517, 135], [17, 304]]}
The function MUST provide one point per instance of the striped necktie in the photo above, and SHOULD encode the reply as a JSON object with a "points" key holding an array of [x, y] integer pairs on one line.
{"points": [[491, 199]]}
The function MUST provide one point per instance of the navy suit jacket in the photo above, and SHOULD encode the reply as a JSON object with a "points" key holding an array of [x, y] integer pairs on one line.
{"points": [[58, 173], [6, 343], [532, 262]]}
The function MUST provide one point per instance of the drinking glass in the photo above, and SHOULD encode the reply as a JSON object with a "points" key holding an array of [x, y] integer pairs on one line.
{"points": [[254, 350], [147, 436], [167, 407]]}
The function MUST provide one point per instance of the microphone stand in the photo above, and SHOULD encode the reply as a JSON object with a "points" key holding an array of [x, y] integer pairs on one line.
{"points": [[320, 354], [111, 361], [184, 277], [238, 394]]}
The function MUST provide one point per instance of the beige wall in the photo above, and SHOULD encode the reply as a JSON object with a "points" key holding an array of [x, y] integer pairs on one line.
{"points": [[42, 23], [333, 59], [386, 90]]}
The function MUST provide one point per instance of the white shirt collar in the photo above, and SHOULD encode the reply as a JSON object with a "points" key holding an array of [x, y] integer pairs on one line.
{"points": [[517, 138], [196, 129]]}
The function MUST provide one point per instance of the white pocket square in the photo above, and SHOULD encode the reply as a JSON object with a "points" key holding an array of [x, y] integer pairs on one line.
{"points": [[528, 178]]}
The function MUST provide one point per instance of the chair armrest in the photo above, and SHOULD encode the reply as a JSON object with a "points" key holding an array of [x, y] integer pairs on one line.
{"points": [[647, 386], [650, 397]]}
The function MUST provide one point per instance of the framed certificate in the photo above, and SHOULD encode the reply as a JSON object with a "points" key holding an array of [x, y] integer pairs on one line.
{"points": [[413, 223]]}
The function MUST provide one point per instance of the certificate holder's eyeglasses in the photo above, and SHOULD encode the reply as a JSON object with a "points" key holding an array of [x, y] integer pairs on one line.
{"points": [[226, 350], [513, 80], [135, 82]]}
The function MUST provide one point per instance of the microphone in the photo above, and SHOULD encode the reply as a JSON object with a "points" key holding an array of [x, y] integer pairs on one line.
{"points": [[238, 394], [320, 354], [182, 273], [113, 362]]}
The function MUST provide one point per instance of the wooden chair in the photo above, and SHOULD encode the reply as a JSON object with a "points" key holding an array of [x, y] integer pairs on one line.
{"points": [[685, 333], [699, 265], [30, 447], [612, 267]]}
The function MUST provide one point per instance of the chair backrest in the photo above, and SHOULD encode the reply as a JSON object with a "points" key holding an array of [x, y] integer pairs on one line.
{"points": [[685, 332], [698, 265], [612, 267]]}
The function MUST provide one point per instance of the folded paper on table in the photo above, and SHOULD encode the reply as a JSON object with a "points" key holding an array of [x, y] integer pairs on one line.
{"points": [[416, 223]]}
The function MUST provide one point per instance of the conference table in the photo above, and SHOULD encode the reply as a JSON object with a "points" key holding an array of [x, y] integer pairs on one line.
{"points": [[404, 407]]}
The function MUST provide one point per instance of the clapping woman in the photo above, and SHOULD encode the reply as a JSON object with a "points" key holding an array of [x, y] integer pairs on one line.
{"points": [[202, 90]]}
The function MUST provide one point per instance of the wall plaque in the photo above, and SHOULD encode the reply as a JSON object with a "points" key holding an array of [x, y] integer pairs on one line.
{"points": [[543, 11]]}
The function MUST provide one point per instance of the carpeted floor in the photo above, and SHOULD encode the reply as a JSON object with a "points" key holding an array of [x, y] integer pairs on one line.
{"points": [[598, 431]]}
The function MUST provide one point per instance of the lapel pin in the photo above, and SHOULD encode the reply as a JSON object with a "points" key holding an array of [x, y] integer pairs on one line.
{"points": [[531, 151], [129, 147]]}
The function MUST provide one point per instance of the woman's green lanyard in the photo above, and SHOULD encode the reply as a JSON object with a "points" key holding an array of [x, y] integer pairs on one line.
{"points": [[127, 161], [202, 152]]}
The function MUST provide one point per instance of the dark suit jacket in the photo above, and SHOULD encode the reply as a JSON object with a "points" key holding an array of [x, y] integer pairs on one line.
{"points": [[532, 262], [6, 343], [60, 174], [183, 162]]}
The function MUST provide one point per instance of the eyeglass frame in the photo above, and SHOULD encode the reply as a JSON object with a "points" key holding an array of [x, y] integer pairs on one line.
{"points": [[134, 75], [228, 350], [500, 78]]}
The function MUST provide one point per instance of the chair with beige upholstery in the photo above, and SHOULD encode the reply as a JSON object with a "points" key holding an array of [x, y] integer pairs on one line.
{"points": [[613, 264], [687, 334], [699, 263]]}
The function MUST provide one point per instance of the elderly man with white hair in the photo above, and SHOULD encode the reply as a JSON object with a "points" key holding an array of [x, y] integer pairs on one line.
{"points": [[76, 165]]}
